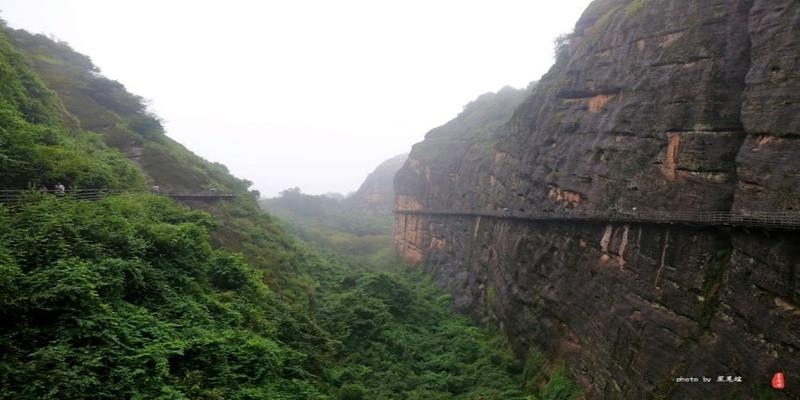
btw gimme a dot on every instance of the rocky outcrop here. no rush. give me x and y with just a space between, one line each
652 105
376 195
449 167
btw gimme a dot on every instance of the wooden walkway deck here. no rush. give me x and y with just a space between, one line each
11 196
200 196
783 220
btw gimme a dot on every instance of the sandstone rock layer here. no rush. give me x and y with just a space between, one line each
665 105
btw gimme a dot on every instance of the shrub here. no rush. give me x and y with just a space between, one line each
228 272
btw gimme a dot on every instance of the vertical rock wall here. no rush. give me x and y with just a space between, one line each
652 104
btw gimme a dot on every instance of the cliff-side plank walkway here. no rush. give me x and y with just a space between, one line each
784 220
17 195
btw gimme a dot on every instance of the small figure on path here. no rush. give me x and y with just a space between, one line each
155 189
60 189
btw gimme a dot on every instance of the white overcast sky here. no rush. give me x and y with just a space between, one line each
306 93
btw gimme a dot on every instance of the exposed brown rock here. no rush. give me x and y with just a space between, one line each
653 105
376 195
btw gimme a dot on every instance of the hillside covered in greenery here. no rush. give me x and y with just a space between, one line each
105 107
137 296
334 223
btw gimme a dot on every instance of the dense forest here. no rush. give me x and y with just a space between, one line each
138 296
333 223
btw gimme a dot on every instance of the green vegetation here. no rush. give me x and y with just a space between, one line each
126 298
333 223
37 148
555 122
393 326
561 47
488 148
399 340
104 106
634 7
135 296
712 281
560 387
603 22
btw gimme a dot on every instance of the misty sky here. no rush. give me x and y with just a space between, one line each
304 93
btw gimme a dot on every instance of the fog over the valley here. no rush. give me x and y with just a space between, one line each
305 93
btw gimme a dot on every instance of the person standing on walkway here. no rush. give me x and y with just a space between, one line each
60 189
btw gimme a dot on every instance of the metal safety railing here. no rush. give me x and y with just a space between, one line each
760 219
199 196
15 196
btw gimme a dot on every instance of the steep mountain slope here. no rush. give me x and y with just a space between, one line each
450 166
669 105
332 223
136 296
358 225
125 297
97 104
376 194
104 106
473 135
39 141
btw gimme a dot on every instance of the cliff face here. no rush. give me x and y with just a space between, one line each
376 194
656 105
449 167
